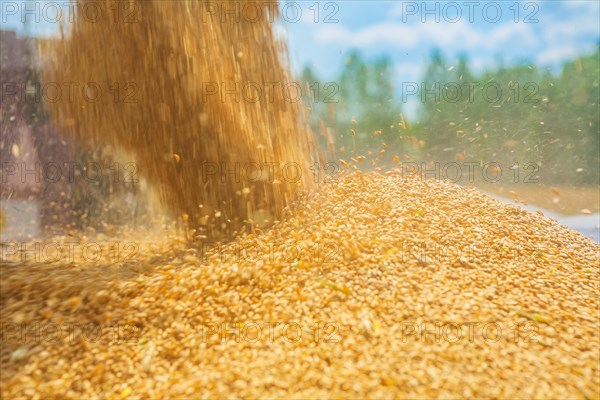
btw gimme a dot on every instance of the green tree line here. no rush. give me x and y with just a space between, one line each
518 115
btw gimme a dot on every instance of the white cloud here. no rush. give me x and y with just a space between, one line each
510 32
569 29
587 6
565 37
557 54
447 35
377 34
461 36
565 30
409 72
400 35
478 64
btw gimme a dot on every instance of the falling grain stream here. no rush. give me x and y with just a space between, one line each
374 285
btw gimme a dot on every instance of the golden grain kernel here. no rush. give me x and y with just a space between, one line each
366 290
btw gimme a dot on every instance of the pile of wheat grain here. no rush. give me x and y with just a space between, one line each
377 287
152 77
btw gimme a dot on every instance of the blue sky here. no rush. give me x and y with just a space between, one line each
541 32
563 30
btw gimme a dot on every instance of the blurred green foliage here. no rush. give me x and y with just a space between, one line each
508 115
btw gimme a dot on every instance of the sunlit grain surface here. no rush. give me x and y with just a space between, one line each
347 272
